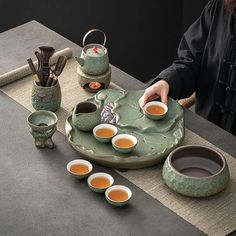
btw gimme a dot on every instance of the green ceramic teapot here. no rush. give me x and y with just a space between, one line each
86 115
94 57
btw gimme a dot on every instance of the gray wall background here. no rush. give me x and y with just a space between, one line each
143 36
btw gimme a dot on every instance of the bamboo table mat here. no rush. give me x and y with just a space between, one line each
214 215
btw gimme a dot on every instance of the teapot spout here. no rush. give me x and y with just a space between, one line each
80 60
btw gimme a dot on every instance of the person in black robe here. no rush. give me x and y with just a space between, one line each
206 64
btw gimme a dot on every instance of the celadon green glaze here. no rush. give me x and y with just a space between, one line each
84 79
91 62
118 204
193 186
156 139
46 98
42 126
87 121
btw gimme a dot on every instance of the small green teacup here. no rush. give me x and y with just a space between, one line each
99 182
155 110
118 195
104 132
79 168
124 143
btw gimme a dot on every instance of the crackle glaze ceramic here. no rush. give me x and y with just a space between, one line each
86 115
84 79
42 126
120 149
46 98
156 139
105 139
155 116
196 171
94 57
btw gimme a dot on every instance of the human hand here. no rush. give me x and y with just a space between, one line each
159 89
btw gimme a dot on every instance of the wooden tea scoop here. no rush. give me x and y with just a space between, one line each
61 62
34 72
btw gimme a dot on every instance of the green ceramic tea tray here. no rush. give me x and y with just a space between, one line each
156 139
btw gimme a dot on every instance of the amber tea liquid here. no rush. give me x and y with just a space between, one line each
105 132
100 182
155 110
118 195
79 169
124 143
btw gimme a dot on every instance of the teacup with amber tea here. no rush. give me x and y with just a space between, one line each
79 168
104 132
124 143
118 195
155 110
99 182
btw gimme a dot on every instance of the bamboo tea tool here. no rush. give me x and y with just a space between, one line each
34 72
59 68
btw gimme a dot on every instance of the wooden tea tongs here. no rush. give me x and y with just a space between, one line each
36 76
61 62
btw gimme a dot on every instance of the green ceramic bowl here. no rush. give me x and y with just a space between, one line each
153 115
118 195
196 171
42 120
98 176
106 137
79 162
124 149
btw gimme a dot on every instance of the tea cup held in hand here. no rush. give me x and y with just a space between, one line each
99 182
124 143
118 195
104 132
155 110
79 168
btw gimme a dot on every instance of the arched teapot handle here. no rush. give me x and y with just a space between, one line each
94 30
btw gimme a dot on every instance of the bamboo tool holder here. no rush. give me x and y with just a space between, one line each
25 70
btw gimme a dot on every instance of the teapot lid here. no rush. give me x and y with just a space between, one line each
95 50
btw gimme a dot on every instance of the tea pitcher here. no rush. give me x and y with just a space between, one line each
86 115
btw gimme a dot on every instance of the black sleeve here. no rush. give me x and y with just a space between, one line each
183 73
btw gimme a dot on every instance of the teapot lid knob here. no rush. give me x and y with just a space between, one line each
101 96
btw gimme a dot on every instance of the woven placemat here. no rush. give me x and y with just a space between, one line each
214 215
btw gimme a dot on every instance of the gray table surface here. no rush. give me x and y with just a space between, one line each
38 197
